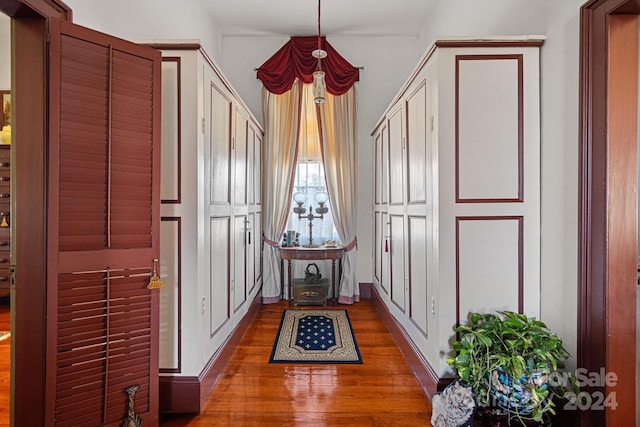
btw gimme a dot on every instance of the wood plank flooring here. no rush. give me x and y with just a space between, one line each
380 392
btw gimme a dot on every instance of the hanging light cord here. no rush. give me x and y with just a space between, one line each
319 38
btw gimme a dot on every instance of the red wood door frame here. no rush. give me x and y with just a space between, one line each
608 204
29 53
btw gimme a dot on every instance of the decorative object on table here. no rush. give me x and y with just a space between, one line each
315 336
508 358
4 335
290 239
312 276
300 198
454 407
330 244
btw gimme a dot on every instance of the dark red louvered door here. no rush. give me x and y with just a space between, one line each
102 332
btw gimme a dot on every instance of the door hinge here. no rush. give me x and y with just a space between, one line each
431 123
203 125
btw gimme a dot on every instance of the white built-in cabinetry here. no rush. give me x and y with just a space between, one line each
457 190
211 224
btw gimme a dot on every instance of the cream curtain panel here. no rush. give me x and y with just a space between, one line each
282 121
339 148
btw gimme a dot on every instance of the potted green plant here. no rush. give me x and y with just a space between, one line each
508 359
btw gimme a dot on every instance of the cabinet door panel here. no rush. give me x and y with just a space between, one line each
379 241
416 145
219 228
241 150
239 280
385 275
219 146
396 247
418 272
396 169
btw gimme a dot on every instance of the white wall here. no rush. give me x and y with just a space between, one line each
148 20
559 22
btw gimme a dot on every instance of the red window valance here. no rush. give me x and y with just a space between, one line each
294 59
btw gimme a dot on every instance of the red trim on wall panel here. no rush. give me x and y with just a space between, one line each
520 220
490 43
520 196
174 46
178 159
178 221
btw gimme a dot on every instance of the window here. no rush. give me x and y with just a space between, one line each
309 178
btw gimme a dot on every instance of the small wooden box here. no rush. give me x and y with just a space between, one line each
310 293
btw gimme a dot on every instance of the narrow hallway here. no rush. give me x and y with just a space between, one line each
380 392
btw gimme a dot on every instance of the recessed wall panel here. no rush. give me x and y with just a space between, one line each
170 266
418 272
257 169
256 241
489 264
378 238
241 150
489 134
396 246
384 165
219 274
385 274
377 146
239 283
170 152
417 145
219 147
396 152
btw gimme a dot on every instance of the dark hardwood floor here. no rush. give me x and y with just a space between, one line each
380 392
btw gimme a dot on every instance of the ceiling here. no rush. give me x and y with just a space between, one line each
300 17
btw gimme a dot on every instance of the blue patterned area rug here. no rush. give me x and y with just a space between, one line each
315 336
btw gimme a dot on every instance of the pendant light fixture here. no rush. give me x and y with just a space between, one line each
319 86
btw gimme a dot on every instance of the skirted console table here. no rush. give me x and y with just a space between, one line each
310 254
